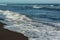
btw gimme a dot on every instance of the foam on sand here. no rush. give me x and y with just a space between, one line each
34 30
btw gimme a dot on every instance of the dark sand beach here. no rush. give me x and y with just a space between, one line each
10 35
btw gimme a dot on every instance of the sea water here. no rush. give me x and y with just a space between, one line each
37 22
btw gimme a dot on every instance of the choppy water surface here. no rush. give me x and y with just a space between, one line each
35 22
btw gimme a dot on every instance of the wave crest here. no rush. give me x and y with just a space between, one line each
13 16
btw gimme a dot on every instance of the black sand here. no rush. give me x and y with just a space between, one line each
10 35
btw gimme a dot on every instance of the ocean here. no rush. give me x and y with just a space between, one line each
36 21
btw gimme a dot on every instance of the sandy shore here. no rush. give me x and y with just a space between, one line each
10 35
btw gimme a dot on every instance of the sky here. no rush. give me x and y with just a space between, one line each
29 1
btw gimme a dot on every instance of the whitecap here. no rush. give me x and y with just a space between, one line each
33 30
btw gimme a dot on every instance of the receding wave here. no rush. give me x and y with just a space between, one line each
30 28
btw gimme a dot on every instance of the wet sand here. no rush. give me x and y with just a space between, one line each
10 35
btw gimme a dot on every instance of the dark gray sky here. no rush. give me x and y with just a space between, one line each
29 1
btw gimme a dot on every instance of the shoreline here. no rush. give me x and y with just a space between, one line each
10 35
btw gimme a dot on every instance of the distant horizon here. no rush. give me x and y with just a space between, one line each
29 3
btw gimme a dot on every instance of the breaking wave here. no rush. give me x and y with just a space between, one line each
30 28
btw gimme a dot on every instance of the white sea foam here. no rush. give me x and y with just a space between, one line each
36 6
34 30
